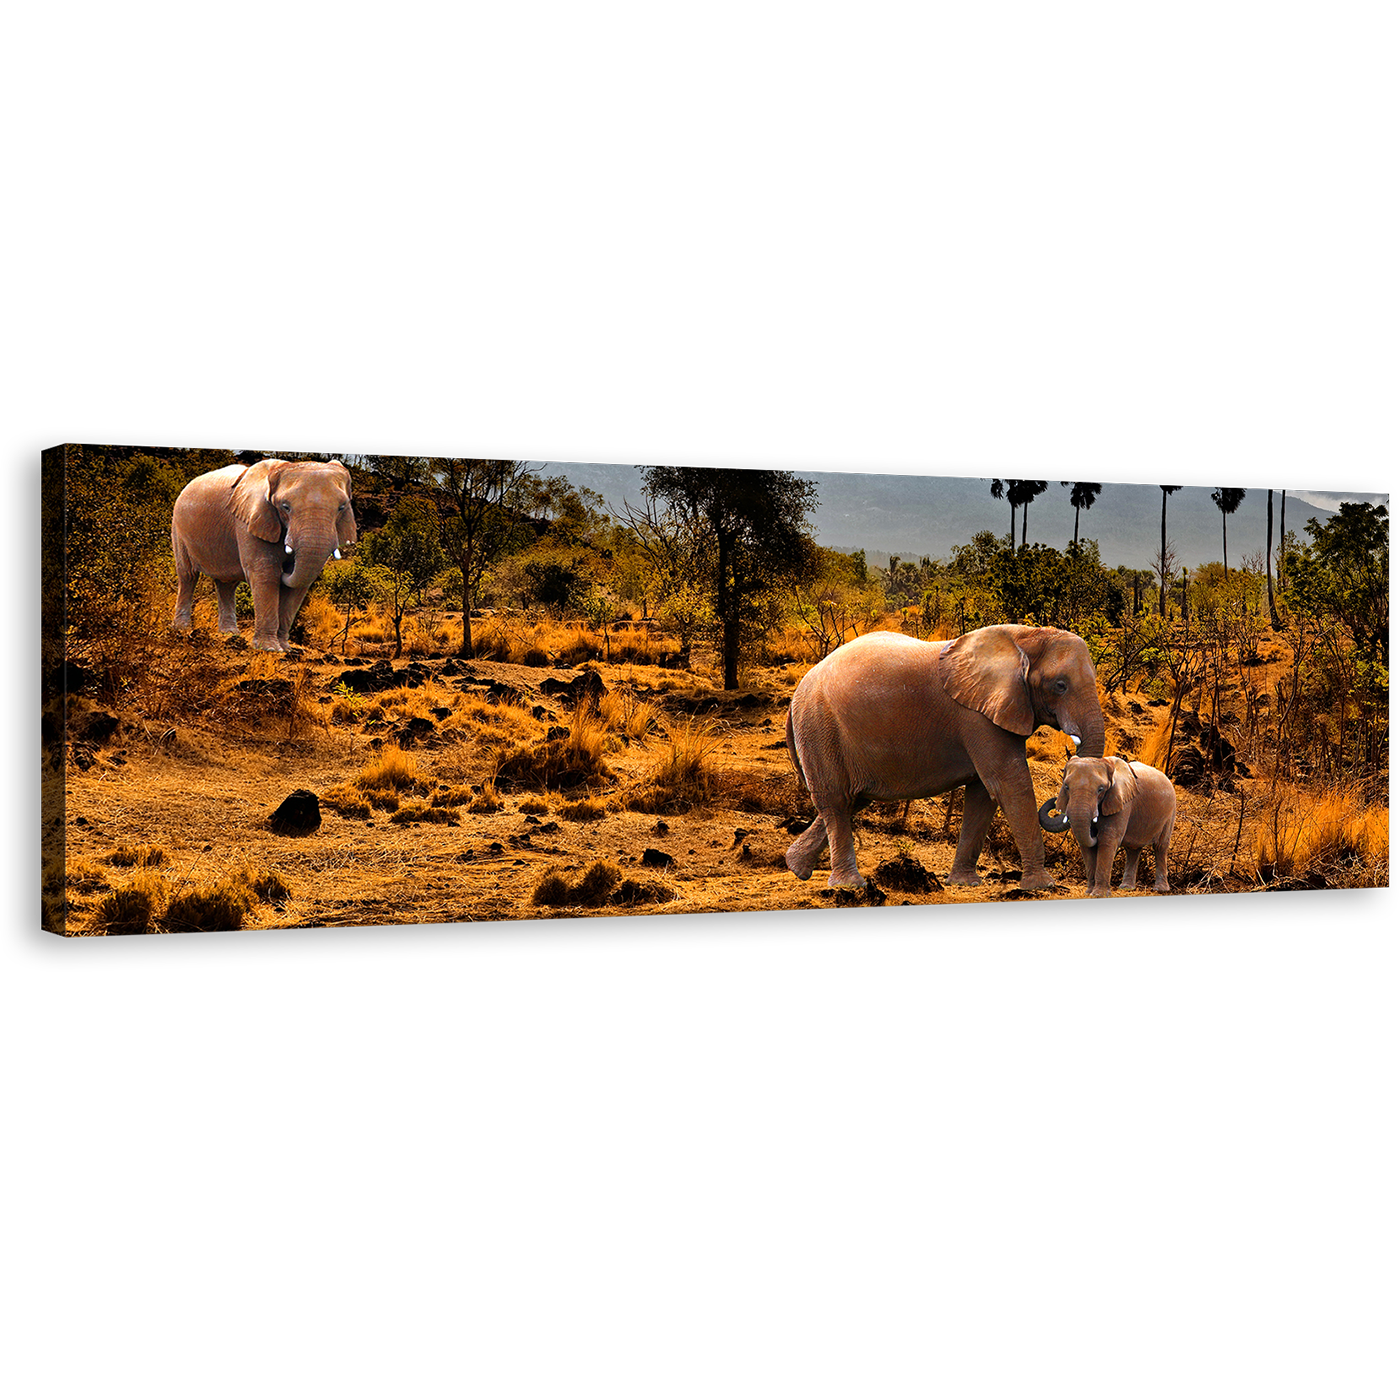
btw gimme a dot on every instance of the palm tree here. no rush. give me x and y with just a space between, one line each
1162 596
1227 499
1082 497
1011 490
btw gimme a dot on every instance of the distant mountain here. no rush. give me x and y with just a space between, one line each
916 515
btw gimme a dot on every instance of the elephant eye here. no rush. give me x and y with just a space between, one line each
1061 686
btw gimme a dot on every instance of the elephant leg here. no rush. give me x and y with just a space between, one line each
1130 867
288 607
978 811
266 615
1090 857
1016 797
841 837
186 578
1159 859
803 854
228 613
1106 849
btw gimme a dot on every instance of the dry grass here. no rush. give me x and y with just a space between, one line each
570 761
534 806
346 800
145 856
133 907
395 770
487 801
425 812
146 903
588 810
683 778
1153 751
454 795
601 883
627 714
1330 834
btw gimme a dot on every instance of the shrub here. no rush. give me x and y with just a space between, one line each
592 888
268 885
424 812
553 889
588 810
137 855
574 759
347 801
683 778
453 796
487 801
133 907
534 806
222 905
394 770
1330 834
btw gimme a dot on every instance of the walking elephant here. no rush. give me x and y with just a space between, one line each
890 718
274 524
1110 802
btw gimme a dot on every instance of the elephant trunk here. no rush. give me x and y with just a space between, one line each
308 547
1085 727
1086 827
1091 736
1057 823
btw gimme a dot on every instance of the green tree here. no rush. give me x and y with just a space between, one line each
555 580
352 586
837 598
407 550
488 501
755 522
1344 575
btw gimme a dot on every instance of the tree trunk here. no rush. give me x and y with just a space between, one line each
1269 564
1025 512
1076 529
1224 546
729 639
1282 531
466 648
1162 594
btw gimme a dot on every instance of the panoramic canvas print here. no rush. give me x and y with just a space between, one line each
290 689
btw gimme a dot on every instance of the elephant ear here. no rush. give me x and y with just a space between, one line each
346 532
1122 790
986 671
252 499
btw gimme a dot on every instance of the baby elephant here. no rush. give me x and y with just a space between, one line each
1109 802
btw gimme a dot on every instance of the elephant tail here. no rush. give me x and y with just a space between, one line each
792 752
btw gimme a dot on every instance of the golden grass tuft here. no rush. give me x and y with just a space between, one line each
454 795
683 778
347 801
1153 750
487 801
146 856
588 810
1330 834
601 884
574 759
394 770
224 904
534 806
592 888
626 713
133 907
426 812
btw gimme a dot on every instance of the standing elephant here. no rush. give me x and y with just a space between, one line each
275 524
1110 802
888 718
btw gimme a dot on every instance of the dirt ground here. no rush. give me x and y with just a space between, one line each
201 790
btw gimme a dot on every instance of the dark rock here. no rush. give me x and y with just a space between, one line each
417 728
96 727
661 828
586 688
299 814
657 860
537 712
440 711
907 875
366 681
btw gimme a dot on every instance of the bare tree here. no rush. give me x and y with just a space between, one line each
1268 563
1166 563
1162 596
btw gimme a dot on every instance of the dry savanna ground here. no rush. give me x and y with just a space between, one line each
457 790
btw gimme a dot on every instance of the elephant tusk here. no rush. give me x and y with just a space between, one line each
335 554
290 550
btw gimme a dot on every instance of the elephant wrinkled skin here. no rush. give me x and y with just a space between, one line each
889 718
275 524
1110 802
